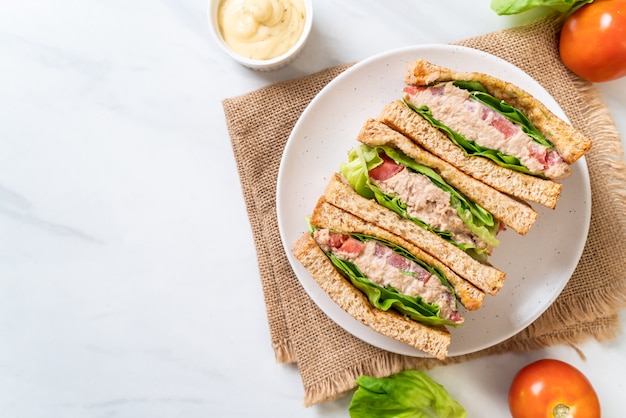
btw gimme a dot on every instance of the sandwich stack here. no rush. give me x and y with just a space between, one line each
402 235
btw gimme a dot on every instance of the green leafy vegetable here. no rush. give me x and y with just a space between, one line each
478 93
511 7
385 298
408 394
364 158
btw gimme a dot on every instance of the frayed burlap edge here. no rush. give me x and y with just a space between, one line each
284 351
610 150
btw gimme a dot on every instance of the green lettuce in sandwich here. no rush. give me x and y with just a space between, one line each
391 277
418 193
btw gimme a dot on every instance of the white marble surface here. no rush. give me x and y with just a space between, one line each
128 278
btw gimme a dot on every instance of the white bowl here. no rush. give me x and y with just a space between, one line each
261 64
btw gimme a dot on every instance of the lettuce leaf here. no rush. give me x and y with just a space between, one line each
385 298
511 7
479 93
364 158
408 394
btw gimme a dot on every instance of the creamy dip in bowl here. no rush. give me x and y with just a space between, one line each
261 34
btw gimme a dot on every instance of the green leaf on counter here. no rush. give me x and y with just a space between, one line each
511 7
408 394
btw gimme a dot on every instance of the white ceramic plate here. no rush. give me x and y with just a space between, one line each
538 265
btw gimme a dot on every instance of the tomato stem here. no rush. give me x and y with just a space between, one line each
560 411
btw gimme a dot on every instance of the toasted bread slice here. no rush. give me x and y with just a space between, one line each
325 215
432 340
401 118
570 143
484 276
514 213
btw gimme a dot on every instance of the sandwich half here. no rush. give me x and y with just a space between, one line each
502 134
434 340
482 275
507 107
403 119
382 280
327 216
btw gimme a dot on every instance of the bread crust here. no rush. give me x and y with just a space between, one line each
570 143
514 213
326 215
401 118
432 340
484 276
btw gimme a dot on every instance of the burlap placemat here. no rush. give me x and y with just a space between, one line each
328 358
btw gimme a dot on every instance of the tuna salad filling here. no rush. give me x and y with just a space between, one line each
383 266
408 188
424 200
455 108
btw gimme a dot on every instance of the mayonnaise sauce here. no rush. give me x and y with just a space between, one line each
261 29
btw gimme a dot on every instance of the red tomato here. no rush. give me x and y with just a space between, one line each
552 389
593 40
